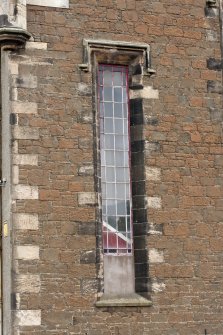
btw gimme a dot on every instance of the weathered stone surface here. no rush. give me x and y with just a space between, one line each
27 283
158 286
24 107
88 257
25 221
25 192
25 159
176 168
24 81
25 133
156 256
36 45
26 252
153 173
28 317
145 93
154 202
87 199
86 170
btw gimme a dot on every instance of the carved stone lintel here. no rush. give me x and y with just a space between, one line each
115 46
12 37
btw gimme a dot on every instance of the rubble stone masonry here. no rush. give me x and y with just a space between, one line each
57 264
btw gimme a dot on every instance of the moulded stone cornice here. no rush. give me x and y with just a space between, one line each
90 44
11 37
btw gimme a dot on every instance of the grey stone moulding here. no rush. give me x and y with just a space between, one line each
117 301
90 44
12 37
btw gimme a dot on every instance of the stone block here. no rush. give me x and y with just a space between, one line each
86 228
156 256
214 87
155 229
26 252
219 160
84 89
140 255
20 107
154 202
153 173
25 133
140 229
152 147
64 318
25 159
14 68
25 221
211 35
86 170
36 45
88 257
152 121
141 270
146 93
143 284
158 286
216 114
140 242
15 175
28 317
24 81
87 199
25 192
27 283
89 286
214 64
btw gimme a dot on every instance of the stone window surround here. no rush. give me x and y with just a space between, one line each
90 45
137 57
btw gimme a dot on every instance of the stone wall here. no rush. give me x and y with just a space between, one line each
57 277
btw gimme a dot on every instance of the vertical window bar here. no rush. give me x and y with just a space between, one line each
115 159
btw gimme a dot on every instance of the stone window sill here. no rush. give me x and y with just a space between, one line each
132 300
52 3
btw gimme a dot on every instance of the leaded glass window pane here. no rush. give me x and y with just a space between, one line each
115 159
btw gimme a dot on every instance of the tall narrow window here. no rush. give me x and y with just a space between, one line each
115 159
120 174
